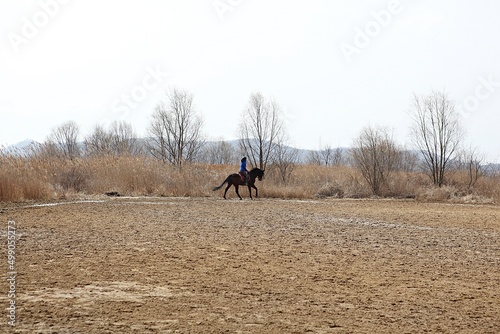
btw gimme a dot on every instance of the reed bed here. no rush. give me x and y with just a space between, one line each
41 178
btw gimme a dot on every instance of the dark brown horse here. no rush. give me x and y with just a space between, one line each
236 181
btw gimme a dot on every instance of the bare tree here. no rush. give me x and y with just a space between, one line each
220 152
376 155
326 155
157 143
63 140
313 158
408 161
123 139
331 156
119 139
175 129
260 127
338 156
98 142
472 162
285 159
436 132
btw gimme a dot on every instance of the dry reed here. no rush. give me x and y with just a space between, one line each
44 178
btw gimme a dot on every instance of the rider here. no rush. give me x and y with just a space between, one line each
243 170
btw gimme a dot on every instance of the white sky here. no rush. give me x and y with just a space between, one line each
84 56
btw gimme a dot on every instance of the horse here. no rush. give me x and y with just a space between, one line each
236 181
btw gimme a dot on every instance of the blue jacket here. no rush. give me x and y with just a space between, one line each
243 167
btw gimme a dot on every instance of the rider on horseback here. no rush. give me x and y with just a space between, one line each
243 170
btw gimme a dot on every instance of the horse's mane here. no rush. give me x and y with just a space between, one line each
256 171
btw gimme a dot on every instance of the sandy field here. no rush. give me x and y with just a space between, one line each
208 265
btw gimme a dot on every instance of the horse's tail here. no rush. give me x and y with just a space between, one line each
222 184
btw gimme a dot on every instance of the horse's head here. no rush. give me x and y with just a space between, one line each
257 173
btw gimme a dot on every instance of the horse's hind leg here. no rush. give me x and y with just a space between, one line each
227 188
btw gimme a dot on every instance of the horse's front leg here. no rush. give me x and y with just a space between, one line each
237 192
256 190
250 191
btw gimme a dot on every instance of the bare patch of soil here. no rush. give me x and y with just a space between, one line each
207 265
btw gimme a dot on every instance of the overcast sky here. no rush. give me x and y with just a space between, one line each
333 66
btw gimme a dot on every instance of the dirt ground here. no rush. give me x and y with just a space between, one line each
208 265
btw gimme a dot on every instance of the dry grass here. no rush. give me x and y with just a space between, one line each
22 179
459 190
310 181
45 178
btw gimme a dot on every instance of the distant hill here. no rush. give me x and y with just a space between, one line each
303 155
20 147
492 168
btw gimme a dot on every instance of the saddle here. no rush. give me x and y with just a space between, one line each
244 177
